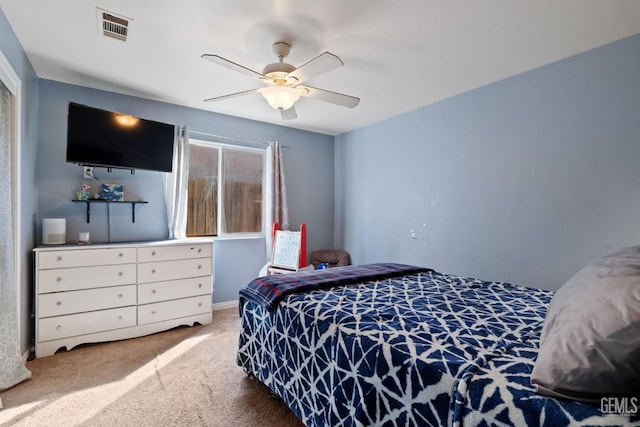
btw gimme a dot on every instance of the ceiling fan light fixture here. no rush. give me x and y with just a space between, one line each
280 97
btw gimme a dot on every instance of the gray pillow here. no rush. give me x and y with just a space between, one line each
590 342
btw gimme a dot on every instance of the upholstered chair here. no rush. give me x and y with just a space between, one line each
334 257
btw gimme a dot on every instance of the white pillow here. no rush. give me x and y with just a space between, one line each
590 342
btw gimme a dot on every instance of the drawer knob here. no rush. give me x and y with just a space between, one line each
119 273
199 267
120 317
199 285
59 258
199 250
59 303
153 271
58 327
58 279
120 254
153 253
153 312
153 291
119 295
199 304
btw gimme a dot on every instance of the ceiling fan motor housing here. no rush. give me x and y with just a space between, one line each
278 72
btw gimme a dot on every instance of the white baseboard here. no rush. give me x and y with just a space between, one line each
225 304
25 356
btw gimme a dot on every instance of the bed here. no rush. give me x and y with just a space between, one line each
400 345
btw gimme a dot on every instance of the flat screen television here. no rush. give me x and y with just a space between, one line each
108 139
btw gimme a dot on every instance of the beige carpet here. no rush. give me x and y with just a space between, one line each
182 377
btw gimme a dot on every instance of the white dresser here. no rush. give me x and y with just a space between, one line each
106 292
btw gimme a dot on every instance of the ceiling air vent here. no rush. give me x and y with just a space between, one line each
112 25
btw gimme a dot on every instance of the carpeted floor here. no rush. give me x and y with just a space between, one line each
182 377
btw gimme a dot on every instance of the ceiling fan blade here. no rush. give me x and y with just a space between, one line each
328 96
321 64
232 65
231 95
289 114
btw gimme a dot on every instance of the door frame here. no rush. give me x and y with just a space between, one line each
10 79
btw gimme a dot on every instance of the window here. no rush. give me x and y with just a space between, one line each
234 206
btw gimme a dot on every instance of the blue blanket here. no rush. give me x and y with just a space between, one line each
420 349
268 291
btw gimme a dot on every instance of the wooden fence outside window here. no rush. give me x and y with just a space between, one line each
242 204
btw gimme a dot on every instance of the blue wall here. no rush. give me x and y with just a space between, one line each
308 165
524 180
12 50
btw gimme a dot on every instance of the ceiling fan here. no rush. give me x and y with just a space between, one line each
284 81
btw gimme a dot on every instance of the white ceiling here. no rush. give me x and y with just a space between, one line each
399 54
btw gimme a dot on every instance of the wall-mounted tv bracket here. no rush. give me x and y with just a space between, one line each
109 169
133 171
133 204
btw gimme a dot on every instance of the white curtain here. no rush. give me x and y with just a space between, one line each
12 370
177 183
277 209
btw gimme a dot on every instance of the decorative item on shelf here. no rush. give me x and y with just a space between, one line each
112 192
83 194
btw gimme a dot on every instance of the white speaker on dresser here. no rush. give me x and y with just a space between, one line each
54 231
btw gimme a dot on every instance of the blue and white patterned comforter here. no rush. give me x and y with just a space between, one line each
418 349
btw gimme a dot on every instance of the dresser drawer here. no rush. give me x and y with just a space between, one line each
53 328
60 303
174 309
85 277
85 257
174 289
173 252
171 270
